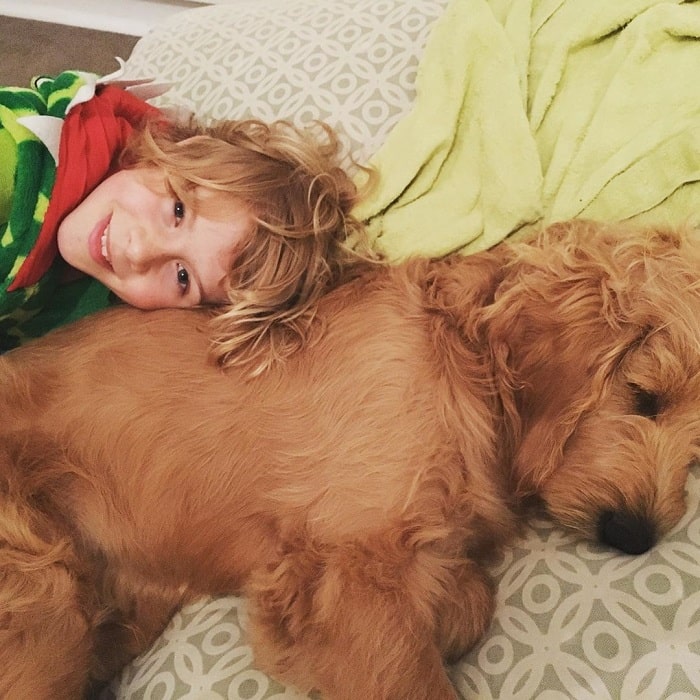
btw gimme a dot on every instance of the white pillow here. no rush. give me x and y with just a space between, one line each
350 63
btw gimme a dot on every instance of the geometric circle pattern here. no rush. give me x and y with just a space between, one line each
351 64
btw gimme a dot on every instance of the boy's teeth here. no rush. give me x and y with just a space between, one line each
105 235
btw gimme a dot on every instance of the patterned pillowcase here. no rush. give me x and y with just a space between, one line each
350 63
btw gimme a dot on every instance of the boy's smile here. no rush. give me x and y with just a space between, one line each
98 243
152 251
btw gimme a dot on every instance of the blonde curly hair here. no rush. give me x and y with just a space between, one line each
305 240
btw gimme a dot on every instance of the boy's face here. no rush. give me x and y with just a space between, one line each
149 248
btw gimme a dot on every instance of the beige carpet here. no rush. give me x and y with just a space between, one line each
39 48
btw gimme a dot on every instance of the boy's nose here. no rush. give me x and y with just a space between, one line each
144 248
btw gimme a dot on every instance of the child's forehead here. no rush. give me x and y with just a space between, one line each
218 205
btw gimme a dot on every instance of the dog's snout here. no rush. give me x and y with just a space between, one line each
628 532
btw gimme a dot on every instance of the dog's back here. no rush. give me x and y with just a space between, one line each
334 441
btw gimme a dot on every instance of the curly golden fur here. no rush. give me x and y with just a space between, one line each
357 492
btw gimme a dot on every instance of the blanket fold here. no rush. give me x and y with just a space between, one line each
533 111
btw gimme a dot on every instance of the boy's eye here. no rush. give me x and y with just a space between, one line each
179 210
183 278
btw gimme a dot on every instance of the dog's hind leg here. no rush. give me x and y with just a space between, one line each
353 622
46 603
45 640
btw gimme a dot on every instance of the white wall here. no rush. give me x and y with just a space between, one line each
134 17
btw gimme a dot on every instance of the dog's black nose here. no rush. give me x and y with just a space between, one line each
628 532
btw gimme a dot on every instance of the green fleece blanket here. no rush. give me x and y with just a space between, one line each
533 111
27 175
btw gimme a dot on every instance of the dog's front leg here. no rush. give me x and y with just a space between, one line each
357 620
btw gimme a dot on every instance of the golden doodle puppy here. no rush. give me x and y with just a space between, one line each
356 492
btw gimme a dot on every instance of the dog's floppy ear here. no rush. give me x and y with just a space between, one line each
558 328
